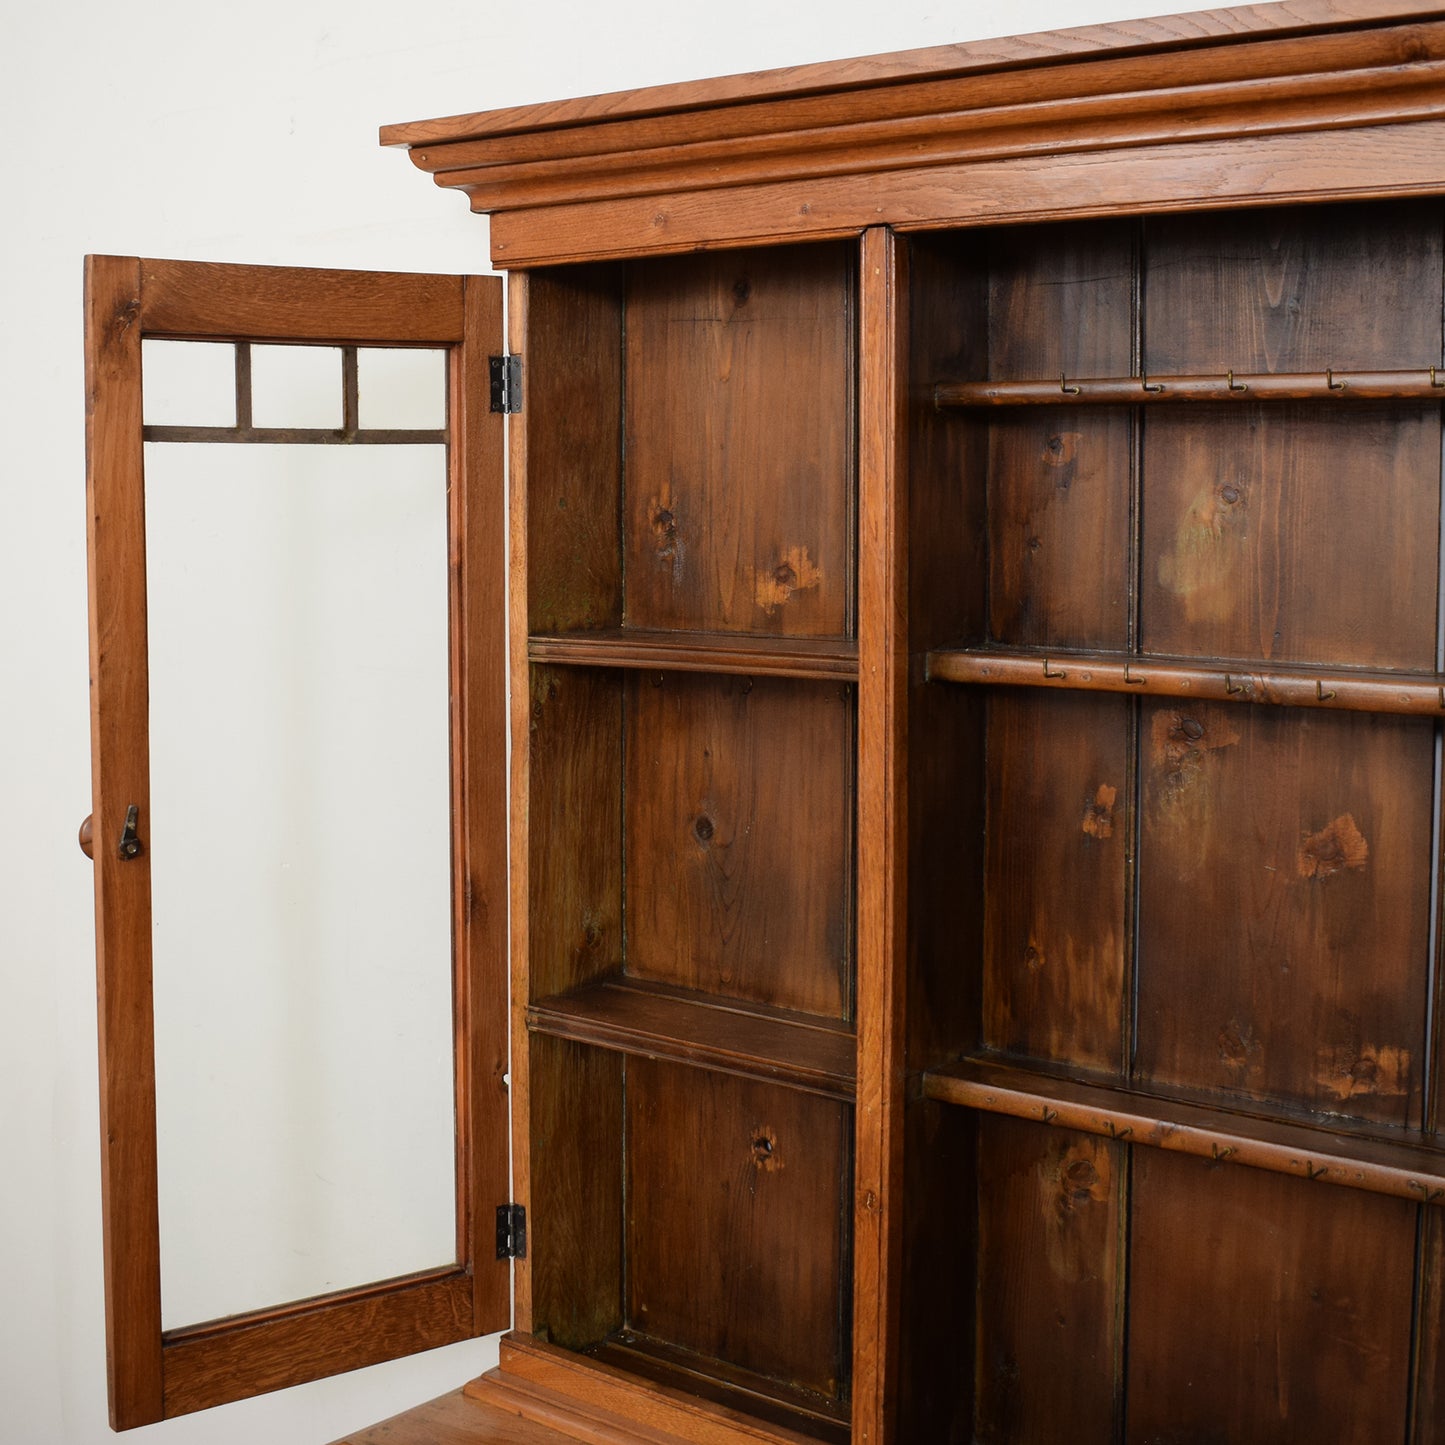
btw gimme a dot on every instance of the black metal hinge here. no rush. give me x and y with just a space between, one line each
506 383
511 1231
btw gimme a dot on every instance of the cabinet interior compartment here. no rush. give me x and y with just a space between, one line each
1175 793
689 444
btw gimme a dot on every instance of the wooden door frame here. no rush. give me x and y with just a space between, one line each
155 1374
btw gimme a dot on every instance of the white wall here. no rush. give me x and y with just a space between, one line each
237 133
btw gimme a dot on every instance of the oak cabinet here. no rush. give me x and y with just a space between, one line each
976 690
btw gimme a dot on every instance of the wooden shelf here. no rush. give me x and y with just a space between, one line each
1370 1162
1425 383
724 652
634 1016
1335 688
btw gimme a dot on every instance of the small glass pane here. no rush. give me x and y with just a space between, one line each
188 383
296 386
404 390
300 855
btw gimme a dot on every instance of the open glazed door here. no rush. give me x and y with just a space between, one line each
300 878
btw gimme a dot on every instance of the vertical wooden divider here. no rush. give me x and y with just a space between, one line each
882 828
120 765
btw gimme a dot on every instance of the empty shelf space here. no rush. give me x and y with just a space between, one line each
633 1016
1426 383
724 652
1369 1162
1337 688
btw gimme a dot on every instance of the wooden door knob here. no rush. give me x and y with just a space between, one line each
87 836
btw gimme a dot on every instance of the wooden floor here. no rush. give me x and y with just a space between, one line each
454 1419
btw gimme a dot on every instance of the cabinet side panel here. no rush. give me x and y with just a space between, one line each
574 827
575 1219
739 802
1264 1307
737 1195
1051 1205
1059 797
740 442
1061 304
572 412
1284 909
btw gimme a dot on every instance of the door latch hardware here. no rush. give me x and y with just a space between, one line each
129 845
511 1231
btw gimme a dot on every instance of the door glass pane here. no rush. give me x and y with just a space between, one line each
300 854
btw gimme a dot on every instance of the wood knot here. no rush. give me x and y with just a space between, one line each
1338 846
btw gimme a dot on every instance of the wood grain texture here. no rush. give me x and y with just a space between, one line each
574 828
1181 31
477 593
1284 875
1060 796
1061 301
1052 1206
120 778
1168 174
588 1395
456 1419
773 1045
724 1168
1328 688
198 299
739 442
1322 1350
715 652
1377 1160
739 831
574 1191
250 1355
882 830
570 342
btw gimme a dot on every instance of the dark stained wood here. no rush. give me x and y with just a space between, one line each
766 1399
1060 796
882 831
1295 289
725 1169
1061 300
739 835
1297 1325
739 443
1332 689
574 1191
1427 1418
1332 384
1050 1292
574 818
237 1358
1165 174
1285 876
715 652
1293 536
946 321
660 1022
197 299
120 779
1378 1161
570 339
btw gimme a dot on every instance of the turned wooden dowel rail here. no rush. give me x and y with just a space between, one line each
1425 383
1411 694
